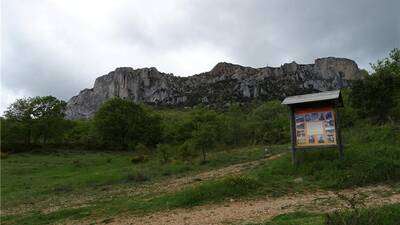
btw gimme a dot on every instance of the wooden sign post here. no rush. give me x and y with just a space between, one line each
314 121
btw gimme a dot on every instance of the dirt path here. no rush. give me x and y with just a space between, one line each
236 212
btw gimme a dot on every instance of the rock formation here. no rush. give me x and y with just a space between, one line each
225 83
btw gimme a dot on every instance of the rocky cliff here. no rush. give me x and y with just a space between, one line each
223 84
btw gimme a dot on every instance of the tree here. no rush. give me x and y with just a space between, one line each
233 121
20 115
205 126
152 134
81 133
38 117
204 138
377 97
48 113
164 152
270 123
120 122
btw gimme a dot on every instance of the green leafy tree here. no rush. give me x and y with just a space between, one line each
269 123
152 133
48 113
164 152
39 117
120 122
205 126
186 151
19 115
377 97
348 115
81 133
233 125
204 139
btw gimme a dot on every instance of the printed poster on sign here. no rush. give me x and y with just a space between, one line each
315 127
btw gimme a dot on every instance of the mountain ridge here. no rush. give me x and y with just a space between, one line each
224 83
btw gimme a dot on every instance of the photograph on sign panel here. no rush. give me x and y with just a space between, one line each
315 127
299 118
300 126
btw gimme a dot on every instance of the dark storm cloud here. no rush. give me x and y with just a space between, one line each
60 47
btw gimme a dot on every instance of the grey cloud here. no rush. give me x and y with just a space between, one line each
269 32
60 47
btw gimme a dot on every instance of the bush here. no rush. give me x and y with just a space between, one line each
164 152
186 151
141 149
138 159
137 177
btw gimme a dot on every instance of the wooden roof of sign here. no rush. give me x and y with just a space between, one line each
334 96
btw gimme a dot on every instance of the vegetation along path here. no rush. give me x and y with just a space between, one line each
173 185
244 211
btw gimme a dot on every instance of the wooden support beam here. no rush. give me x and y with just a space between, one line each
293 135
338 133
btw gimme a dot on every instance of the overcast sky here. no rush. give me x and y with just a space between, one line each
59 47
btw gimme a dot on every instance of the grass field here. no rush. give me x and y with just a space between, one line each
31 181
43 188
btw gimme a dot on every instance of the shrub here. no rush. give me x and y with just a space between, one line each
164 152
138 159
141 149
186 151
137 177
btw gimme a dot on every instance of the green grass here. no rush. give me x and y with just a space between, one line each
297 218
384 215
29 178
364 164
38 218
321 170
371 157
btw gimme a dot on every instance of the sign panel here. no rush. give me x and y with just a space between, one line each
315 126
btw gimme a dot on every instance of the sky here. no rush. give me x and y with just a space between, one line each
59 47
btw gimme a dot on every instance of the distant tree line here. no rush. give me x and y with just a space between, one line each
123 125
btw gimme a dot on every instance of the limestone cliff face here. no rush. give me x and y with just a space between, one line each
223 84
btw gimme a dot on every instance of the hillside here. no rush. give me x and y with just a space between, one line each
225 83
236 186
138 164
